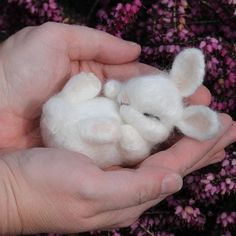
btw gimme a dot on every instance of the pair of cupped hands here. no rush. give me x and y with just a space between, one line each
52 190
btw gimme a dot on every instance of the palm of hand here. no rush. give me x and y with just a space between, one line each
30 77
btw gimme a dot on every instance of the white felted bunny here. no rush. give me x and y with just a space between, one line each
121 127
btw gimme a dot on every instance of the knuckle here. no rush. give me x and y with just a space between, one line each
87 191
49 24
27 29
144 195
51 28
221 157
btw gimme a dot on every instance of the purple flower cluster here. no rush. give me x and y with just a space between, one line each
227 219
165 27
45 9
211 187
190 215
221 72
166 30
116 21
16 14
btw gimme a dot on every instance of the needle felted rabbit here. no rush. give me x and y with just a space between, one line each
121 126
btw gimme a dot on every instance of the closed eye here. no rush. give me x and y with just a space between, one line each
151 116
125 104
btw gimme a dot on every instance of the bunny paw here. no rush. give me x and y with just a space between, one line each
83 86
132 143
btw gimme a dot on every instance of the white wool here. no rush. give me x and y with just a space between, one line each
199 122
112 88
188 71
121 127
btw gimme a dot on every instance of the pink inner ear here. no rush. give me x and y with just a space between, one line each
183 85
188 71
200 121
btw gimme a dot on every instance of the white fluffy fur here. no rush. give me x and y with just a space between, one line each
199 122
121 127
188 71
111 89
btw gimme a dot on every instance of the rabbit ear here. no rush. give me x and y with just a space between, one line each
199 122
188 71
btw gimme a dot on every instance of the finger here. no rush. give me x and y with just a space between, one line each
130 215
183 155
228 138
217 153
208 160
202 96
90 44
126 188
125 217
127 71
190 151
32 139
187 152
121 218
220 156
118 72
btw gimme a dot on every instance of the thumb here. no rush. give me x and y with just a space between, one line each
127 187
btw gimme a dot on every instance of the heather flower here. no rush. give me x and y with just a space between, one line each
16 14
221 71
190 214
227 219
120 17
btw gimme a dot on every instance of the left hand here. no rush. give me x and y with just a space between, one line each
36 62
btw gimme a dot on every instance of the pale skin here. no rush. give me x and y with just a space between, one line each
52 190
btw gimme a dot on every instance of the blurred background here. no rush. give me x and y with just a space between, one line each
207 203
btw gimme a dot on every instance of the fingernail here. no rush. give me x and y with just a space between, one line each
171 183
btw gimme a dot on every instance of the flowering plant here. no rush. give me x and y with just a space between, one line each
207 203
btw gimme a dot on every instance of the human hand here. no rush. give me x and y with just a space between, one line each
52 190
36 62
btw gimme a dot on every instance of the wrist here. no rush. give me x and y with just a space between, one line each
10 221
